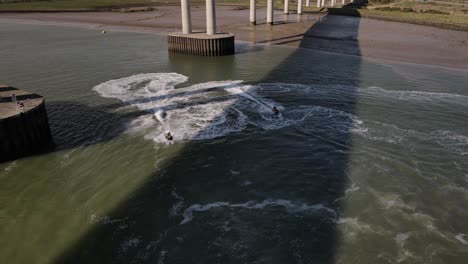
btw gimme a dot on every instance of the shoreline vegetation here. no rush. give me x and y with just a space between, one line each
446 14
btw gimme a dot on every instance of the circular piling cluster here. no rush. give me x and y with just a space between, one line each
24 126
202 44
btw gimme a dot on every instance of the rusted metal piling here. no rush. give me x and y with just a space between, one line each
24 126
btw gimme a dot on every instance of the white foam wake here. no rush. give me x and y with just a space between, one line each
10 167
214 109
288 205
415 95
201 111
337 92
461 238
403 253
197 112
390 133
248 92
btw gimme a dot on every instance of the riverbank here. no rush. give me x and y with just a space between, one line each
373 38
444 21
447 15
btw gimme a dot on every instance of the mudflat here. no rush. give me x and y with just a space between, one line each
349 35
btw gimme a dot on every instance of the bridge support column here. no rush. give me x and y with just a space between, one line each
186 16
270 12
210 17
253 13
201 44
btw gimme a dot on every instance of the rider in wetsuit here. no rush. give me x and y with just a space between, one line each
275 110
169 136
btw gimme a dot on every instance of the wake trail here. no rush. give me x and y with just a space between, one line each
247 95
203 111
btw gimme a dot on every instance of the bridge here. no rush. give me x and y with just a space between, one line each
214 43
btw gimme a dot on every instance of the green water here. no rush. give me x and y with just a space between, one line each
367 162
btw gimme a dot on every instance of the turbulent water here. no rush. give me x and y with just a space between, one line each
366 162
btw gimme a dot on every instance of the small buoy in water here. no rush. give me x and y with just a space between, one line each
169 136
103 32
275 110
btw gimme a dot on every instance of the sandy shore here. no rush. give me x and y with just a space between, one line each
350 35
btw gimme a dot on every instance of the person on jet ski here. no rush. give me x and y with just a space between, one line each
275 110
169 136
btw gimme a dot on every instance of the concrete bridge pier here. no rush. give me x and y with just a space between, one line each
210 17
253 12
286 7
270 12
210 43
186 16
24 125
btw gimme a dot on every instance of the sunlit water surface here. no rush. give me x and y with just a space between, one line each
367 162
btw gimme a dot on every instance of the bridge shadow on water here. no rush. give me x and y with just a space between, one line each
282 208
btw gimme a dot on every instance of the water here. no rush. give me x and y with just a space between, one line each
366 162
